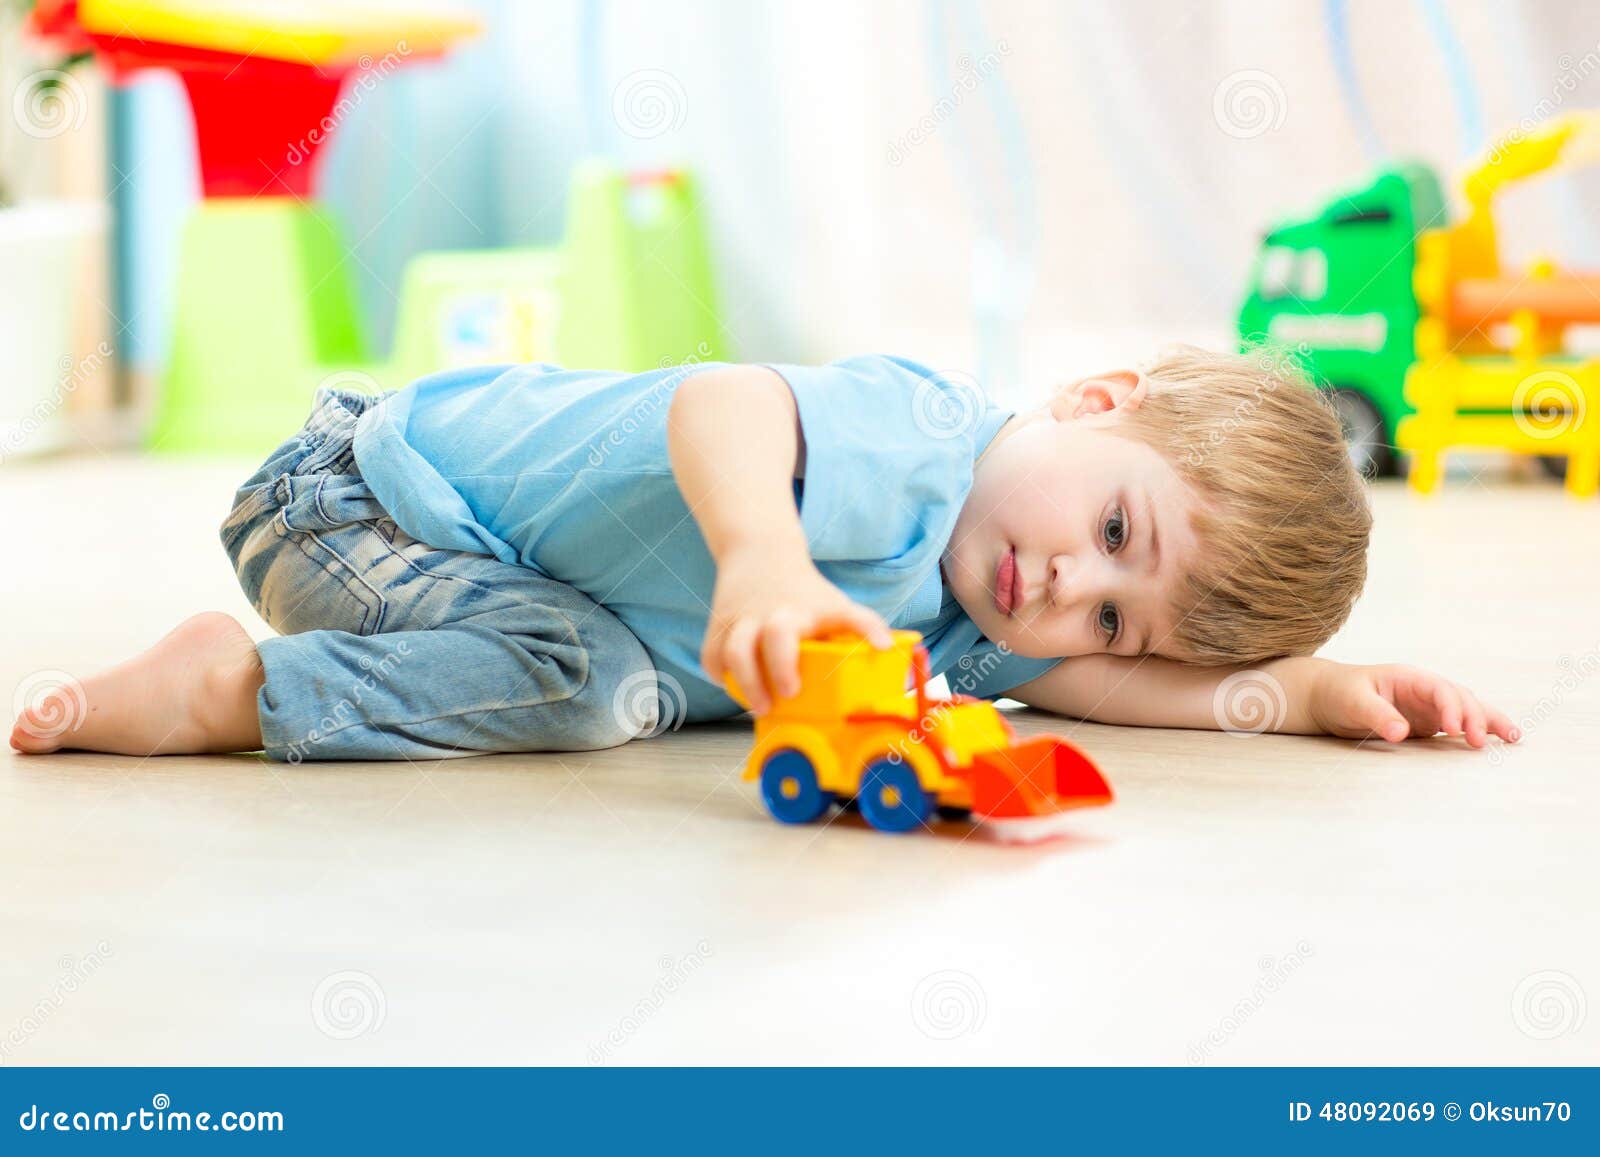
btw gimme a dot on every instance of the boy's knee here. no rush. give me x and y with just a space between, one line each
621 697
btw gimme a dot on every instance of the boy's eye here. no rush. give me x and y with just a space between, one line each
1116 530
1109 621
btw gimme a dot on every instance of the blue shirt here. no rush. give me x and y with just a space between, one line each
567 472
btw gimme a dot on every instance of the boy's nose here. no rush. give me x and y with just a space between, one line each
1058 579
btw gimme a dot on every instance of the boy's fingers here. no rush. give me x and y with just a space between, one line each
871 625
780 649
711 657
1473 721
1448 702
1500 724
739 653
1384 719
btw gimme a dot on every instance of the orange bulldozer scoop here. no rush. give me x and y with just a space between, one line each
1039 776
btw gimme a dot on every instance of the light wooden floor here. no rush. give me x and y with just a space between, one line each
1245 901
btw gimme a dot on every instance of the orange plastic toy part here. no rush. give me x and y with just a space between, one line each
1573 299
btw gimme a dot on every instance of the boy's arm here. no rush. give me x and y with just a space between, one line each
1303 696
733 434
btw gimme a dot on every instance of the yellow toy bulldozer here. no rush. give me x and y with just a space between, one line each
864 729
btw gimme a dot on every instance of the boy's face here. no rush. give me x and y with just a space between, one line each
1074 540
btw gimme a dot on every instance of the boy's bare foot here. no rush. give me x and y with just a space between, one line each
193 691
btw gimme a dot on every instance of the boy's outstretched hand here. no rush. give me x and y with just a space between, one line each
760 611
1393 701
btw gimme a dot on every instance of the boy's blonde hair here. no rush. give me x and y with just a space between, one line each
1281 513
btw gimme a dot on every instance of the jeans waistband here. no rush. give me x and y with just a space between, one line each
328 435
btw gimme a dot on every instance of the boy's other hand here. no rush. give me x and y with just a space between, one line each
1393 701
762 607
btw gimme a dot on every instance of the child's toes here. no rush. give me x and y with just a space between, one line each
34 733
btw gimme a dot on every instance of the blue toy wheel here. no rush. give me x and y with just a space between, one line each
789 787
892 800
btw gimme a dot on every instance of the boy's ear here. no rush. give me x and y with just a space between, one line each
1099 394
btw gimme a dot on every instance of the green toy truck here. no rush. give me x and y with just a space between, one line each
1336 290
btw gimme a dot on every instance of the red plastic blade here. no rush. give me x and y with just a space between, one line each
1035 777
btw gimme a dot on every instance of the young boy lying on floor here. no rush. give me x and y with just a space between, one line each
495 559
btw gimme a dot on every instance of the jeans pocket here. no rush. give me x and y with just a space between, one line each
312 580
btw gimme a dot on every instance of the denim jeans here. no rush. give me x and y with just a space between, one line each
390 649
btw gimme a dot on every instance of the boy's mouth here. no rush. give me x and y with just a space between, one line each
1007 583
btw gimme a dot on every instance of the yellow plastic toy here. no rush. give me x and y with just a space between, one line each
863 728
1492 370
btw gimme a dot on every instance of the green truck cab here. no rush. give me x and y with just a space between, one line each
1334 290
